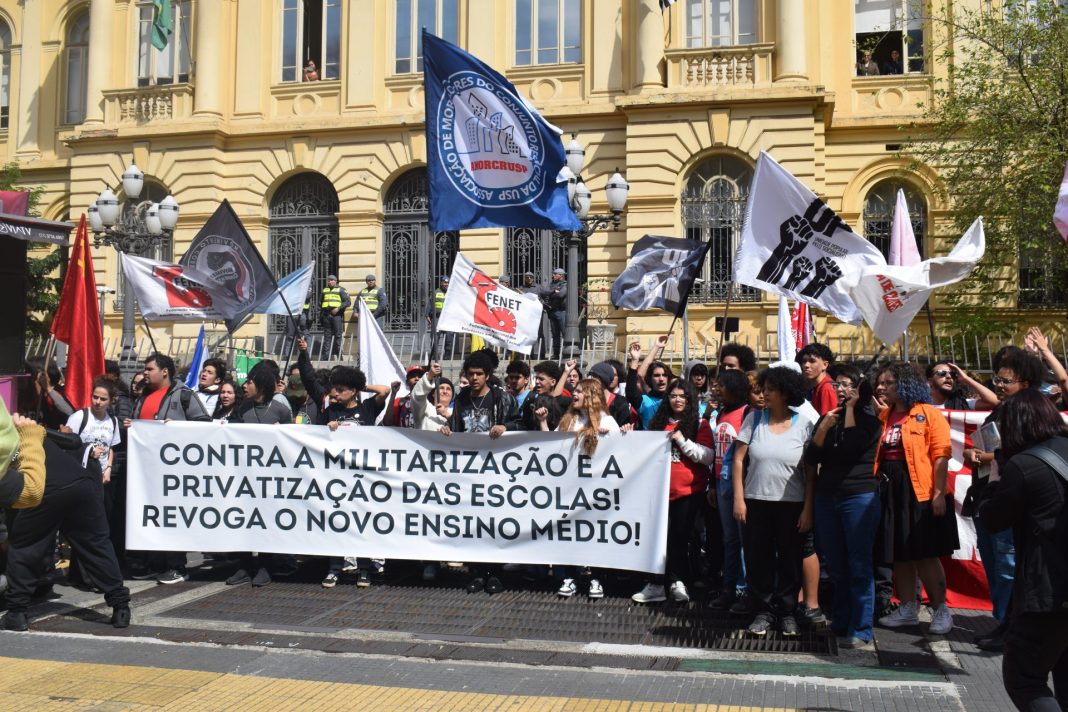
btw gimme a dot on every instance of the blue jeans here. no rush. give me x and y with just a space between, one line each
845 533
733 563
999 561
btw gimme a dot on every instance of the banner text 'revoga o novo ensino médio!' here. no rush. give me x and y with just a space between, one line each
404 494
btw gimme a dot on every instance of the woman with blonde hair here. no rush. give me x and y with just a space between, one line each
588 418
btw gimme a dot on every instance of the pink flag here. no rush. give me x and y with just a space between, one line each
1060 212
903 252
801 325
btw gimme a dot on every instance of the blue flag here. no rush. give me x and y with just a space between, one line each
492 160
200 355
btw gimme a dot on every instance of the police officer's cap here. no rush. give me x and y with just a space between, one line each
330 277
370 278
444 280
529 274
559 270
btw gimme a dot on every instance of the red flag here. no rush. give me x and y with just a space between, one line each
77 323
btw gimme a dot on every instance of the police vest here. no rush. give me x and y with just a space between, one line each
439 300
332 298
370 298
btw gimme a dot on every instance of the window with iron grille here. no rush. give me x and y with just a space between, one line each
713 210
533 250
1042 280
303 228
414 258
879 214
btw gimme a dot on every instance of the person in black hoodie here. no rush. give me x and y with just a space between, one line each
1031 498
483 408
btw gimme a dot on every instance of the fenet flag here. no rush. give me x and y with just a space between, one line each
660 274
224 254
77 322
173 292
890 296
377 358
1060 212
794 245
492 160
477 304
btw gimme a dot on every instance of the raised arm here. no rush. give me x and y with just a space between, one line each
1037 341
569 366
654 353
984 395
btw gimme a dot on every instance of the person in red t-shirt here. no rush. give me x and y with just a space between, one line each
692 452
814 360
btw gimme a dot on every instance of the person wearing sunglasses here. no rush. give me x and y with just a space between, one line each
949 388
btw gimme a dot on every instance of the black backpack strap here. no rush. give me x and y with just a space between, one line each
85 420
1049 456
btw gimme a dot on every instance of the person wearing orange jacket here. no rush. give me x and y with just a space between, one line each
919 524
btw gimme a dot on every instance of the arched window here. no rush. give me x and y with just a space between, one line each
721 23
879 214
713 209
77 70
414 258
5 73
159 249
303 228
440 17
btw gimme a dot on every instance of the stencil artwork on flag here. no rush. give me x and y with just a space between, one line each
793 244
522 498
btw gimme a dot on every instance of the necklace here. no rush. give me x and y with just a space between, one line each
481 404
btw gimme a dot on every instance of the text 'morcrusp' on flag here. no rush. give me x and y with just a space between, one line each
477 304
794 245
77 322
660 274
492 160
172 292
224 254
890 296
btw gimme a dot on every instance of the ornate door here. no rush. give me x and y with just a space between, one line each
303 228
414 258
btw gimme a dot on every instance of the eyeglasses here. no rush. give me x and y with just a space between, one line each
999 381
942 374
843 386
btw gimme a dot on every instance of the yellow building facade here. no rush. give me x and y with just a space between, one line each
681 101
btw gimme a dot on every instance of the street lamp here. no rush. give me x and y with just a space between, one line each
581 199
131 227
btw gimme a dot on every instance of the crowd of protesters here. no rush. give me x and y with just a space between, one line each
779 477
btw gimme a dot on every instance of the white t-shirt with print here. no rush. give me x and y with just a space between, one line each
96 432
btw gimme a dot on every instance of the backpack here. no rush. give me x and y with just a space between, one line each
85 421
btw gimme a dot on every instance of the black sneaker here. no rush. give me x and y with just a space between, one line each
723 600
141 574
173 576
120 617
744 606
239 577
493 585
761 624
476 585
812 616
788 626
363 580
262 578
16 620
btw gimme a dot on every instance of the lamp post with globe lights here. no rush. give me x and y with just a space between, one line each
581 199
131 227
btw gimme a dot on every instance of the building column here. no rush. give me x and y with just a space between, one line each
26 123
791 40
650 43
208 61
99 60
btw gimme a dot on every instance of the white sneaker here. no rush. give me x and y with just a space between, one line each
941 621
906 614
349 566
596 590
652 593
567 588
679 592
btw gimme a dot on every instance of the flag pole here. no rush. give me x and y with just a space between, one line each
723 326
149 331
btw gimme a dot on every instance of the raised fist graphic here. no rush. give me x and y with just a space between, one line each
827 273
799 270
794 235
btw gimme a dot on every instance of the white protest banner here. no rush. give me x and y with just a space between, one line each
377 358
527 498
172 292
795 246
889 297
477 304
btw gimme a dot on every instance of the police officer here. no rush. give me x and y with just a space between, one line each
433 313
335 302
375 299
555 297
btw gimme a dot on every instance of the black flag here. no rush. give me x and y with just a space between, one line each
660 274
223 252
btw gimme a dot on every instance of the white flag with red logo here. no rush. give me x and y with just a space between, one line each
170 292
890 296
477 304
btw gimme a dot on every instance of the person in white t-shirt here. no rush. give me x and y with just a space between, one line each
97 428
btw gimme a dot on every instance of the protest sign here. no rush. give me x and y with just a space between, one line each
527 498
